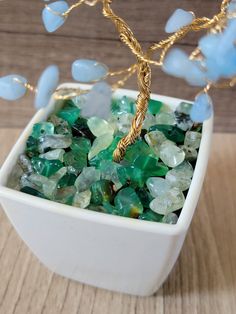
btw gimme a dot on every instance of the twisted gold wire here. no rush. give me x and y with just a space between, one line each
70 93
144 72
28 86
129 69
144 61
144 80
198 24
77 4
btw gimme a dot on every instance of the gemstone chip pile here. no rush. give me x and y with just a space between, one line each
69 159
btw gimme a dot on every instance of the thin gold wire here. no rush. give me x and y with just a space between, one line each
196 54
71 8
121 82
124 71
70 93
92 2
205 89
76 5
55 12
28 86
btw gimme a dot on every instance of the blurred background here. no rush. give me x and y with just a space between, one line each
26 49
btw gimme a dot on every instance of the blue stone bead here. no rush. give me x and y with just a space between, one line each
225 56
232 7
212 70
220 53
221 65
51 20
100 108
202 108
47 84
228 37
177 63
208 44
85 71
11 88
227 62
178 19
195 76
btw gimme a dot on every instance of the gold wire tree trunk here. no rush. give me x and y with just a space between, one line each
144 80
144 61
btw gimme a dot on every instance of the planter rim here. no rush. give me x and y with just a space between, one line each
102 218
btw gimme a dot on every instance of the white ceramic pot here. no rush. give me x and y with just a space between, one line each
111 252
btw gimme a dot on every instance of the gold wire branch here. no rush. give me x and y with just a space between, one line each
144 60
198 24
121 82
28 86
144 80
77 4
207 88
55 12
124 71
72 7
68 93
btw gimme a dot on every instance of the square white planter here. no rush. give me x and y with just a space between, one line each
111 252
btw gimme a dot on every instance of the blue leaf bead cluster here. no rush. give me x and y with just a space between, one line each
217 58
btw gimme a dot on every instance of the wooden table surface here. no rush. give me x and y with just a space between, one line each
203 280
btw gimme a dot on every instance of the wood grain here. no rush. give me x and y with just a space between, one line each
29 54
27 49
203 280
146 18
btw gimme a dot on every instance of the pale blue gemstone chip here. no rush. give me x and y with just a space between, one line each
220 53
85 70
100 108
208 44
232 7
202 108
178 19
47 84
228 36
177 63
52 15
12 87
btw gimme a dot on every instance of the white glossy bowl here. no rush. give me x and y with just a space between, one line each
111 252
